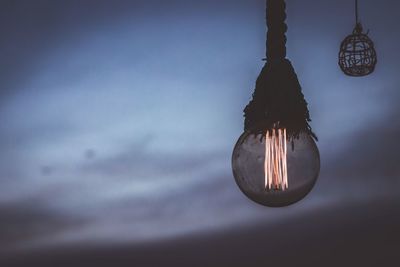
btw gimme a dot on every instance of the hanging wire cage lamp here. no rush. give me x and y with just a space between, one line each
275 161
357 55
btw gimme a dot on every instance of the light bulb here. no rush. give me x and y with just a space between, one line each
275 160
274 170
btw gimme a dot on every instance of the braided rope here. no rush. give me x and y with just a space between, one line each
276 39
278 101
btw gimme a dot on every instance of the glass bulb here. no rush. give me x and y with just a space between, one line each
274 171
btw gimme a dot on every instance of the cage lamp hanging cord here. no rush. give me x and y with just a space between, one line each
356 10
358 28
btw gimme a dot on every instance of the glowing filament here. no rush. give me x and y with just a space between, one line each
275 164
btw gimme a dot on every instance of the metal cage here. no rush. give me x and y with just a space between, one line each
357 56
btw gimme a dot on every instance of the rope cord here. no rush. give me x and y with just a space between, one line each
276 38
278 102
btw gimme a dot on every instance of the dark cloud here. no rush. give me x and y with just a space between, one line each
199 197
46 170
371 153
358 234
32 133
137 160
90 154
29 220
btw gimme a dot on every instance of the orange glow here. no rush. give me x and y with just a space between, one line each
275 164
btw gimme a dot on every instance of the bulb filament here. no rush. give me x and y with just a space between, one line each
275 164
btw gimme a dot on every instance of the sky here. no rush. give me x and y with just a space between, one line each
118 120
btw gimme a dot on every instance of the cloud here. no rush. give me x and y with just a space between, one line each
362 233
137 160
86 181
371 152
26 221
